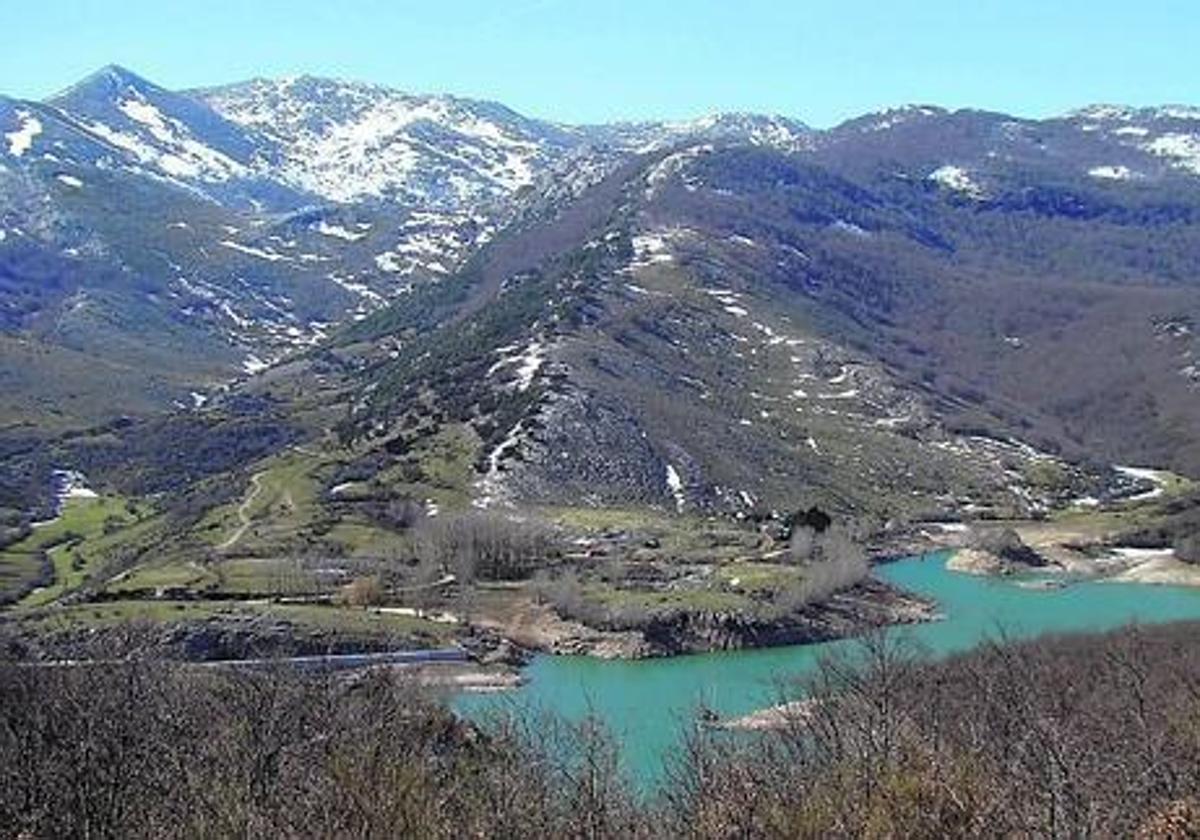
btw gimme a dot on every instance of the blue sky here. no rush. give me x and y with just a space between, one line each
817 60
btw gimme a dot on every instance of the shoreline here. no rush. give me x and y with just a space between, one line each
870 604
1068 563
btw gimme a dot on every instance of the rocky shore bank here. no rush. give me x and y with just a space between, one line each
867 605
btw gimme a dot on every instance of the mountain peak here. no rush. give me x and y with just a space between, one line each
1103 111
888 118
119 73
108 82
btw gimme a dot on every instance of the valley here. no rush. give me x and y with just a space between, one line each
350 368
652 703
653 421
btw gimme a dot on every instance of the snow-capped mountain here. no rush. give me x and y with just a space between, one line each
236 224
117 121
977 154
719 328
163 131
773 131
1170 133
288 144
348 142
282 146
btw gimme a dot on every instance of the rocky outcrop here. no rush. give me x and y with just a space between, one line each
848 613
996 551
869 604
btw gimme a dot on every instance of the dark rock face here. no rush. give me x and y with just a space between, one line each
1006 544
588 447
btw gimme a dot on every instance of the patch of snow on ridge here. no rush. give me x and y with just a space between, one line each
851 228
269 256
21 140
126 142
184 156
528 362
1111 173
729 300
350 285
957 179
531 363
1103 112
388 263
1180 112
346 141
1182 150
674 164
650 248
73 485
675 485
339 232
884 120
491 485
252 364
1145 474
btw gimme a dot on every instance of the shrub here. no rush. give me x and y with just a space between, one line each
363 592
832 561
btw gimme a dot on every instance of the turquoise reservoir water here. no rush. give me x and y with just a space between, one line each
648 703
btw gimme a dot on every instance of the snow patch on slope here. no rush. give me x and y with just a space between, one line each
526 363
1156 478
672 165
346 141
269 256
652 248
21 140
675 485
1111 173
163 143
339 232
436 242
957 179
351 285
1182 150
491 485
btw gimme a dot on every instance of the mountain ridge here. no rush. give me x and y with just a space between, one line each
287 221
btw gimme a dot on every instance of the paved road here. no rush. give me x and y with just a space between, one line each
341 661
336 661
